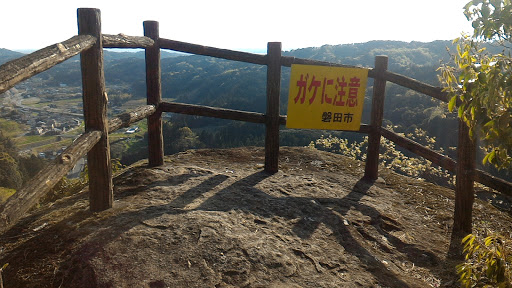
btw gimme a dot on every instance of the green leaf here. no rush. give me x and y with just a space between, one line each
489 157
489 124
461 111
465 239
452 103
486 159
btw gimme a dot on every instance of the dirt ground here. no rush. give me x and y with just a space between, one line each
213 218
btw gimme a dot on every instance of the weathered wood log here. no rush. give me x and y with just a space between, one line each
287 61
272 116
125 41
154 96
464 188
199 110
435 92
25 198
371 171
493 182
230 114
431 155
212 51
95 111
17 70
126 119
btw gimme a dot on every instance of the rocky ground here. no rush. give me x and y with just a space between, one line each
213 218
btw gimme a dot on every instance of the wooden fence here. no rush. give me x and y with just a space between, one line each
90 43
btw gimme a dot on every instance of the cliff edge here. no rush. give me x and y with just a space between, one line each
213 218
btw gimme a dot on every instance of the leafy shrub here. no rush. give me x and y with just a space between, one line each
486 264
390 156
5 193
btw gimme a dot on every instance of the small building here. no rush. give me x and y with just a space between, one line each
36 131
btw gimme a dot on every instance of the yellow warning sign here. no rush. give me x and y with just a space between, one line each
322 97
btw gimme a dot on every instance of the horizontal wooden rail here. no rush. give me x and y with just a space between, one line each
287 61
15 71
432 91
191 109
126 119
124 41
212 51
435 157
25 198
447 163
254 117
495 183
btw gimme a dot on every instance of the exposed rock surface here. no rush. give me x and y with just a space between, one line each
213 218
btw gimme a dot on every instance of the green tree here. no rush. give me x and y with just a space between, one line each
481 81
15 170
10 175
482 84
118 99
178 137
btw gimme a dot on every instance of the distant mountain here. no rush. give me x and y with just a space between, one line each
229 84
109 55
195 75
7 55
399 53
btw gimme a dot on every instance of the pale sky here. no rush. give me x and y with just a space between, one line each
240 25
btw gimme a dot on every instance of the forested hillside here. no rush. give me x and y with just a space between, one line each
221 83
6 55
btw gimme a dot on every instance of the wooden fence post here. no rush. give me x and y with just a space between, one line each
272 115
95 111
154 96
371 171
464 190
